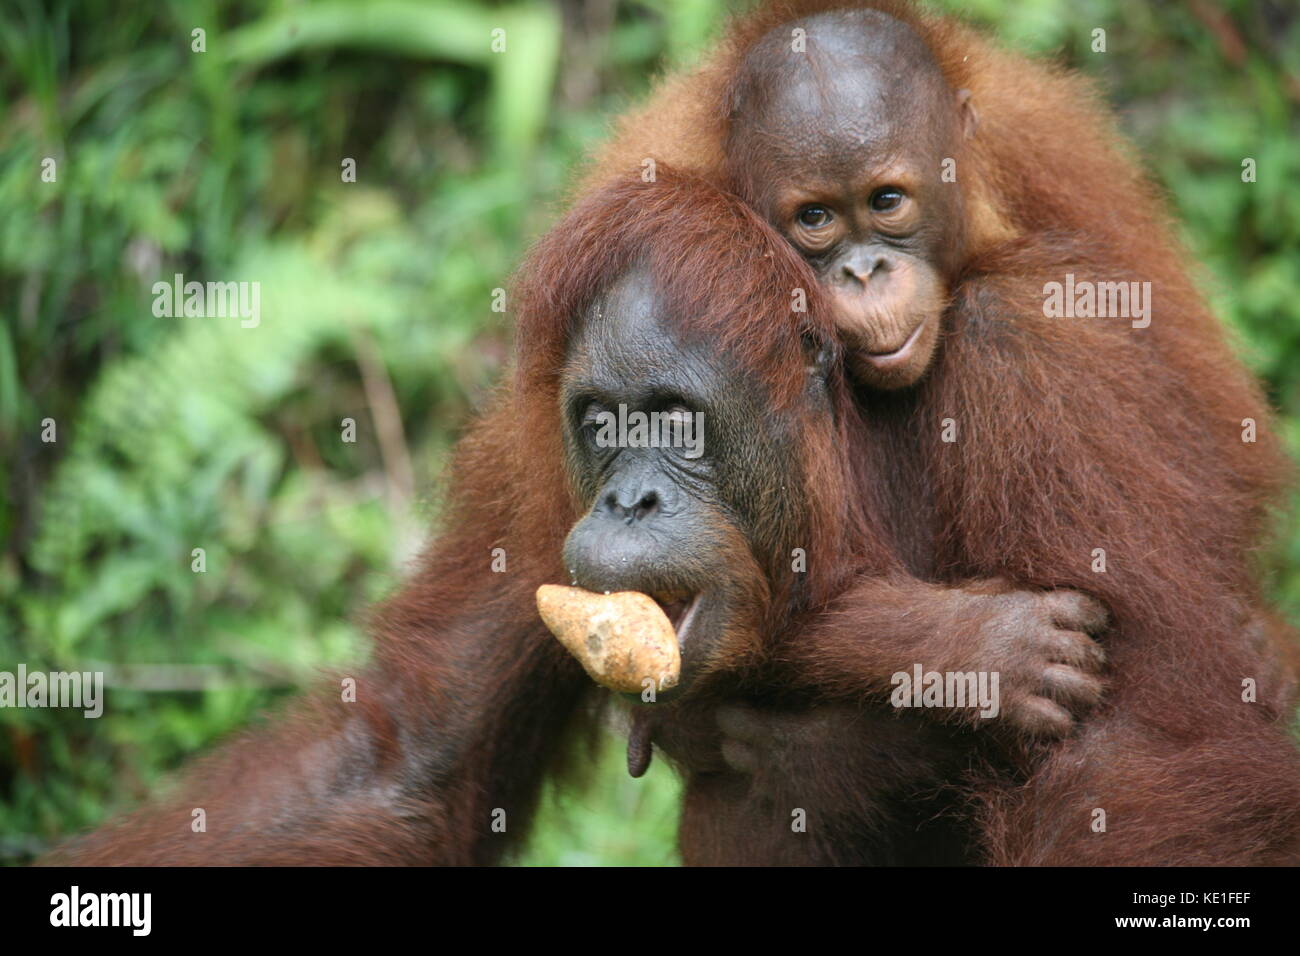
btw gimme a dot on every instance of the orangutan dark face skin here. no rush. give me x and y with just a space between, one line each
842 147
684 528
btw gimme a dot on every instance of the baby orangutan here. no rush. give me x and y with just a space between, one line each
842 146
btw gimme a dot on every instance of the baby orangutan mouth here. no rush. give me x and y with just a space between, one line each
899 354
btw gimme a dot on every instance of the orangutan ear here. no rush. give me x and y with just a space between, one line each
970 119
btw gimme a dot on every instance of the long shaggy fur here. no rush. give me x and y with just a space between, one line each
1074 434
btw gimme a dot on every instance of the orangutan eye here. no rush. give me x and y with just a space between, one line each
679 419
594 416
814 217
886 199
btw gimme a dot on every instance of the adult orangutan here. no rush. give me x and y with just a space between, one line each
469 699
941 188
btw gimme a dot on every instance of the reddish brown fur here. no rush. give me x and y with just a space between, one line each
468 698
1075 434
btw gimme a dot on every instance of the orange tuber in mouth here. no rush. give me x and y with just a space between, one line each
621 639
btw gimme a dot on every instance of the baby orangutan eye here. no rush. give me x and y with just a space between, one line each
886 199
814 217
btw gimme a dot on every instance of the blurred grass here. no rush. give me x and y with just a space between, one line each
175 434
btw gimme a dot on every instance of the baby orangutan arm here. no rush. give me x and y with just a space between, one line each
1038 644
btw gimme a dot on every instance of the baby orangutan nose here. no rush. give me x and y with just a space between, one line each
862 270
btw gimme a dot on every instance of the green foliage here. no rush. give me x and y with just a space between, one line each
184 433
617 821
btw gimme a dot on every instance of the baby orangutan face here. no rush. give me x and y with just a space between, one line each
842 148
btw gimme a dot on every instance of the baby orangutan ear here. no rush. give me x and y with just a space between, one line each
970 119
821 355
